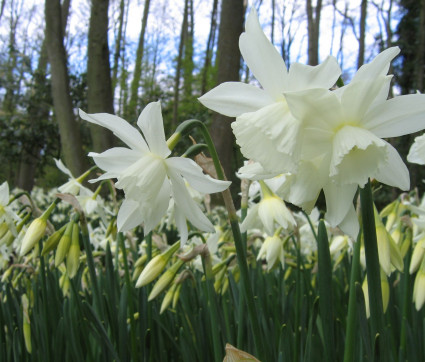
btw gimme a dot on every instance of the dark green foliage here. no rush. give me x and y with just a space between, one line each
73 327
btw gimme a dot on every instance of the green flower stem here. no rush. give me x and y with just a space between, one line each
325 290
241 303
90 264
129 294
407 299
373 272
234 223
350 339
148 239
212 300
81 178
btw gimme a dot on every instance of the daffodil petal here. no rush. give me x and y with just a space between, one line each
115 160
276 130
317 108
303 76
195 177
262 58
356 154
121 128
235 98
186 204
181 224
397 117
4 193
358 96
251 219
152 125
416 152
161 202
393 171
63 168
339 198
350 224
129 215
254 171
378 66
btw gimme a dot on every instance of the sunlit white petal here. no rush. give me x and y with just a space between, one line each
151 123
235 98
417 151
262 58
195 177
121 128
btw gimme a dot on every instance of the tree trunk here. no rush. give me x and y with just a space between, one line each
118 45
313 26
132 106
188 55
38 109
99 85
363 16
421 50
68 127
183 36
228 66
273 21
209 50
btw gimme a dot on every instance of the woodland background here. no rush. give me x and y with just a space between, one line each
116 56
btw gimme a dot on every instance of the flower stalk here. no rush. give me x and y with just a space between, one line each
373 272
234 223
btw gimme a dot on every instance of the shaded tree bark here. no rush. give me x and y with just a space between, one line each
137 75
420 60
363 16
183 36
118 45
38 109
99 84
68 127
228 66
210 47
313 26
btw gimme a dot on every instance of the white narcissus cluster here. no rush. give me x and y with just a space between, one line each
149 177
330 140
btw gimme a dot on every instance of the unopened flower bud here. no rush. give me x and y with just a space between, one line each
168 298
26 323
165 279
53 241
417 255
155 266
34 233
73 257
419 287
64 244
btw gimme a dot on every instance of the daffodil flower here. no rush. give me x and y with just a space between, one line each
343 137
149 177
269 212
73 185
417 151
263 116
7 215
272 251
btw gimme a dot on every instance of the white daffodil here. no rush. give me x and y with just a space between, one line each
272 251
148 176
344 131
73 185
265 129
7 215
417 151
269 212
93 204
